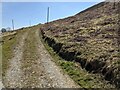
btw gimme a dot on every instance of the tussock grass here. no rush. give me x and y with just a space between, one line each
79 75
7 51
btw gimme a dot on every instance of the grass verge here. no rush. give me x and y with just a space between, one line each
8 45
7 51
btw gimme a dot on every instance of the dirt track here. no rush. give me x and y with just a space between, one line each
32 66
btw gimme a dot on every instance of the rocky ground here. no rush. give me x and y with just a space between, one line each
91 39
32 66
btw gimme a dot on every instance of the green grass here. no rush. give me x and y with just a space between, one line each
30 56
7 50
29 50
8 46
79 75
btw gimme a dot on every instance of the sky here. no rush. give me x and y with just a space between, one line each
24 13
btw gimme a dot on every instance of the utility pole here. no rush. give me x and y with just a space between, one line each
13 24
30 23
47 14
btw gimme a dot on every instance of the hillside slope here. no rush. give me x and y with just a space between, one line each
91 37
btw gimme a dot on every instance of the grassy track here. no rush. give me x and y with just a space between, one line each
10 41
